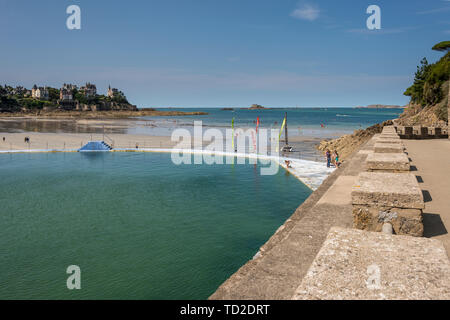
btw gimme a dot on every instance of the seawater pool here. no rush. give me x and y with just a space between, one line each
138 226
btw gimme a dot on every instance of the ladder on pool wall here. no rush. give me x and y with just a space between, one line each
95 146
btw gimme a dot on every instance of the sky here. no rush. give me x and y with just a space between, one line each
228 53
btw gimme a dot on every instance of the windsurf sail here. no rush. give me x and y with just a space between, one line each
232 134
281 131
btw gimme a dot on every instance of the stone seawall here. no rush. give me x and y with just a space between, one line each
278 268
372 191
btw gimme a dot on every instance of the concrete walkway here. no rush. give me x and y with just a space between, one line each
278 268
430 161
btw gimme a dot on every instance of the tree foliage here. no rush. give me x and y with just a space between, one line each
442 46
15 102
428 81
53 94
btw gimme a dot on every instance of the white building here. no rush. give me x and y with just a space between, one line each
90 90
112 92
40 93
65 95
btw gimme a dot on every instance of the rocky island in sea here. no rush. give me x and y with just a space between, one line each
256 107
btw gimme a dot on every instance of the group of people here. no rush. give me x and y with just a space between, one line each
332 159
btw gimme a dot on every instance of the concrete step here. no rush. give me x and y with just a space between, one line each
360 265
388 147
395 198
393 162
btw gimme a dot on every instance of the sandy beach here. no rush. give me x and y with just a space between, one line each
16 141
72 134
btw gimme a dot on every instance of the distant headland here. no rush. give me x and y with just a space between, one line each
380 106
73 101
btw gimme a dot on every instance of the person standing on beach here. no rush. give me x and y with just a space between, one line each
328 155
336 159
4 139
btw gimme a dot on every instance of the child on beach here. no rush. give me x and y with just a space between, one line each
336 159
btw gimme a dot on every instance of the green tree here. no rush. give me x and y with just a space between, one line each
442 46
53 94
428 81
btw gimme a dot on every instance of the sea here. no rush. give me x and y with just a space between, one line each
320 123
307 122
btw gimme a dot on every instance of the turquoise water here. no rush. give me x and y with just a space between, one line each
138 226
301 121
305 122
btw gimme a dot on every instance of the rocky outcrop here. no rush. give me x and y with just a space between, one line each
106 106
430 116
347 144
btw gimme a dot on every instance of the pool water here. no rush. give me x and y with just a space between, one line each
138 226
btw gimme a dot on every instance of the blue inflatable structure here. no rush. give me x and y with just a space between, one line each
95 146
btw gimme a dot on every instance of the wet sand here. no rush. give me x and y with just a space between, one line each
17 125
67 134
16 141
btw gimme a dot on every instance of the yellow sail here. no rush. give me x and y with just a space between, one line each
281 131
232 134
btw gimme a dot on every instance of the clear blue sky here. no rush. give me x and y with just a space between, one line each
208 53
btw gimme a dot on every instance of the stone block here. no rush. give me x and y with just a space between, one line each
392 190
400 130
403 221
436 132
360 265
389 129
389 136
388 140
387 162
388 148
424 132
408 131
